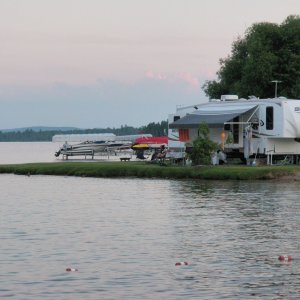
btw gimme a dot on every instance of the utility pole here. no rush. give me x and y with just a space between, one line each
276 82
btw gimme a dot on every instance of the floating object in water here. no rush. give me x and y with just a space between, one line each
285 257
182 263
71 270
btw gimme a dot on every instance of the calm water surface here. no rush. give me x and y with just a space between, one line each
125 235
11 153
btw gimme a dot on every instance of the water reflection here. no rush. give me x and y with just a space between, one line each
238 229
125 236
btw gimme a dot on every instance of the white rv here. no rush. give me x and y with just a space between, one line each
254 128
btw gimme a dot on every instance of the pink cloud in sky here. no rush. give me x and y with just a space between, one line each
189 78
186 77
150 74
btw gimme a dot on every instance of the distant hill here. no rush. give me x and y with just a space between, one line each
39 128
44 133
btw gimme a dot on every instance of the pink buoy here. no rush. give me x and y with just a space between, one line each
71 270
182 263
285 257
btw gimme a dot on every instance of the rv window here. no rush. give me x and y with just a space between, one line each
227 127
176 118
269 118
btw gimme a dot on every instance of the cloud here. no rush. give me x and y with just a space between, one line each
191 80
185 77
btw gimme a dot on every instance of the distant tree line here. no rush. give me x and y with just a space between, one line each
29 135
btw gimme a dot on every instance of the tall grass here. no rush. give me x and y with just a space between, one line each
144 170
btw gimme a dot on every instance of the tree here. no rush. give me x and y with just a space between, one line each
30 135
267 52
203 147
156 129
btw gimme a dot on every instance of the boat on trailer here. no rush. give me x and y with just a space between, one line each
94 144
92 148
253 128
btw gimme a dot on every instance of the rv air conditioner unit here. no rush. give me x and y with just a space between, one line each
229 97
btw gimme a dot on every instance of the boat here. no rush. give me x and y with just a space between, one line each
153 142
92 148
148 147
107 144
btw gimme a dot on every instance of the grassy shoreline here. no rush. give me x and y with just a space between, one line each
145 170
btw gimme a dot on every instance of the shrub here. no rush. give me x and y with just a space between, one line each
203 147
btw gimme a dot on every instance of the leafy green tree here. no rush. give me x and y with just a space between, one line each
267 52
156 129
203 147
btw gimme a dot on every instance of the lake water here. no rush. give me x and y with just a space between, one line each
18 152
125 235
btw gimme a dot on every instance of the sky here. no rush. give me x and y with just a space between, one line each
98 64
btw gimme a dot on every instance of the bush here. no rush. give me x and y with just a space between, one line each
203 147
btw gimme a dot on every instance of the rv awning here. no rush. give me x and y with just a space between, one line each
212 118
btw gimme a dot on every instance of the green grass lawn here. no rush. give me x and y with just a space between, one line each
146 170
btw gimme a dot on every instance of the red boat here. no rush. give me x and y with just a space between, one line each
152 142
